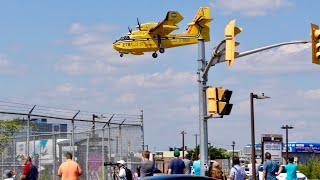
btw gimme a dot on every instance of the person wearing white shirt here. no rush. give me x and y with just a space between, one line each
122 171
257 168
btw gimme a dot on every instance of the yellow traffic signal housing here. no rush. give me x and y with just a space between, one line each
218 101
230 32
315 41
212 100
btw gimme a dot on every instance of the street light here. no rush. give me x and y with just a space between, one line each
183 133
286 127
253 153
233 143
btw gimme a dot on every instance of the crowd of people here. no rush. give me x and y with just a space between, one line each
70 170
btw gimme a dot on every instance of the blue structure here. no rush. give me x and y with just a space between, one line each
296 147
302 147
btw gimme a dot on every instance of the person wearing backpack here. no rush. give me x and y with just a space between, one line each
237 172
124 172
30 172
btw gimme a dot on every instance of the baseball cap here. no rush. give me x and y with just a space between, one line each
8 173
176 152
121 162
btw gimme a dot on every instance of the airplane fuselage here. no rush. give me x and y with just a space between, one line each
153 37
138 45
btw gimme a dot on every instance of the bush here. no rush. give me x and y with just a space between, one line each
311 168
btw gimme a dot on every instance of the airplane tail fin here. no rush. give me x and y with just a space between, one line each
201 23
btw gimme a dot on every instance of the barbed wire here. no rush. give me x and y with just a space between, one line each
23 109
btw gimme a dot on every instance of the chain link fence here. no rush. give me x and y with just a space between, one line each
90 149
93 141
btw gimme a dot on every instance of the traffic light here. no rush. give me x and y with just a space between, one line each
230 32
218 101
315 41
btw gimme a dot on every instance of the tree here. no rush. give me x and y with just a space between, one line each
8 129
213 153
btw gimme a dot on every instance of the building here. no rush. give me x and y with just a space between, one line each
301 151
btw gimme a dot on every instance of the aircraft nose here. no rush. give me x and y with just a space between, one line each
116 47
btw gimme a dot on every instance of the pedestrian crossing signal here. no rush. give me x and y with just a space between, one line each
218 101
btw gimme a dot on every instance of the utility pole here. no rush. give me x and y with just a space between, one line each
286 127
196 135
183 133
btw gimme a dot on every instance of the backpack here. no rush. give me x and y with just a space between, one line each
33 173
239 173
128 174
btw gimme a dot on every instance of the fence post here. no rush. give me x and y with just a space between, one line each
39 137
109 147
14 154
103 156
87 157
54 145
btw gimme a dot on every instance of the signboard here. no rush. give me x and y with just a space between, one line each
158 156
275 149
302 147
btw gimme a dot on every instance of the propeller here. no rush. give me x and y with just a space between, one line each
130 30
138 24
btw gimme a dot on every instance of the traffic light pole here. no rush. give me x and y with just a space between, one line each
218 56
203 126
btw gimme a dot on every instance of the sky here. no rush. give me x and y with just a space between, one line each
59 54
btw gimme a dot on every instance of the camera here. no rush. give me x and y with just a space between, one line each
110 164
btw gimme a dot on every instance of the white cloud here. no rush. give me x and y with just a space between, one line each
77 28
251 7
168 78
286 59
94 54
69 88
230 81
11 68
127 98
313 94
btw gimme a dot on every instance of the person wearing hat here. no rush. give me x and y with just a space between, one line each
8 175
176 165
187 163
122 171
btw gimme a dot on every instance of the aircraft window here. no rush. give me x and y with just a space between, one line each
126 37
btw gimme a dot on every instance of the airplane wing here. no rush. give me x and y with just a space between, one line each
167 25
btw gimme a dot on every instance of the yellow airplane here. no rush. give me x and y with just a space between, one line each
153 37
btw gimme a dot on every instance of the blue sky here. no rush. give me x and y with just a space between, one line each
59 54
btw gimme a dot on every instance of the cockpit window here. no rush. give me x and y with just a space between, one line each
123 38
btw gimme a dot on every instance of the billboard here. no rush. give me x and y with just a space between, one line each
275 149
298 147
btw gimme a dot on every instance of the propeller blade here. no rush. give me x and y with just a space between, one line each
138 23
130 30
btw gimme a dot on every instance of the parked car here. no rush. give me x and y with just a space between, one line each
248 173
283 174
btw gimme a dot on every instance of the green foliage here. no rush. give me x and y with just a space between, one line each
213 152
311 168
8 129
